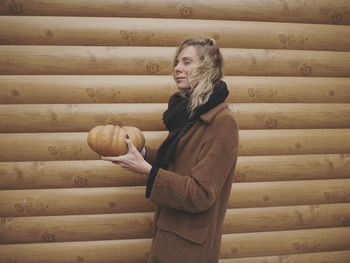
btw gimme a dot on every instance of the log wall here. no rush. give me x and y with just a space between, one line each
67 66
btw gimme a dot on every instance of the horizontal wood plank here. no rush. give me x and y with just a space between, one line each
73 146
93 31
86 60
148 117
96 173
40 202
140 225
285 242
316 257
136 251
43 89
312 11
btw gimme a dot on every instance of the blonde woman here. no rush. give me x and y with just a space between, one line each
190 175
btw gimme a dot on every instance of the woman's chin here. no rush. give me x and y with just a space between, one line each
181 86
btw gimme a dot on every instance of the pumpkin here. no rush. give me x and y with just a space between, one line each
109 140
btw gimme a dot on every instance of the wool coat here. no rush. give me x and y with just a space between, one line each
192 194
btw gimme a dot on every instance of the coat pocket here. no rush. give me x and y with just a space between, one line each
188 226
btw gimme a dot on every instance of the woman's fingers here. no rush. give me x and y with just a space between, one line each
129 161
131 146
112 158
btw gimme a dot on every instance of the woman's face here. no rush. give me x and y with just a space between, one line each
186 61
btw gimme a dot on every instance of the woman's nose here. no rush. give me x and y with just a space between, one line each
178 68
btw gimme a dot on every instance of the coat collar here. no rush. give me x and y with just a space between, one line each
209 115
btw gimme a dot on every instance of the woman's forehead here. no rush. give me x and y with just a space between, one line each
188 52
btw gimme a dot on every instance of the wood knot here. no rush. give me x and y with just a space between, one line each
234 250
266 198
345 221
297 145
15 7
327 196
80 181
282 38
53 115
314 209
79 259
52 150
305 70
271 123
48 237
185 11
239 177
14 93
306 246
19 207
152 67
49 33
251 92
299 215
112 204
283 258
124 34
19 172
331 93
6 220
336 17
93 59
91 92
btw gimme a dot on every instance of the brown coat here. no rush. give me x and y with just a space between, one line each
192 195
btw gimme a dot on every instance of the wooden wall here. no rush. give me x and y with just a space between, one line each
67 66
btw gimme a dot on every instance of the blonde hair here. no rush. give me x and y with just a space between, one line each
206 75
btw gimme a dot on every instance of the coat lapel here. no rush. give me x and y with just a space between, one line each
206 118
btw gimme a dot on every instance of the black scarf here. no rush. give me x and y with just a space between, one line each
178 121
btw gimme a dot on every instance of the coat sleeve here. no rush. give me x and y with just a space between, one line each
199 191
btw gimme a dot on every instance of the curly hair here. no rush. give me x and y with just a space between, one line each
203 78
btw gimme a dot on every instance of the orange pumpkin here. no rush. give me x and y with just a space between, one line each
109 140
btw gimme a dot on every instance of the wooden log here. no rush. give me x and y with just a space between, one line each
262 194
74 201
116 251
157 61
290 167
118 226
89 116
312 11
288 89
278 218
316 257
93 31
92 173
42 89
65 174
89 89
73 146
287 142
76 228
233 246
148 117
41 202
285 242
46 146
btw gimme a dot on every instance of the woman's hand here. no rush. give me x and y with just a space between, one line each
131 161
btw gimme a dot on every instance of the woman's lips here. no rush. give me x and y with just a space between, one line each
180 78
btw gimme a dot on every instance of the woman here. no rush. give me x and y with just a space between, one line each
190 176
